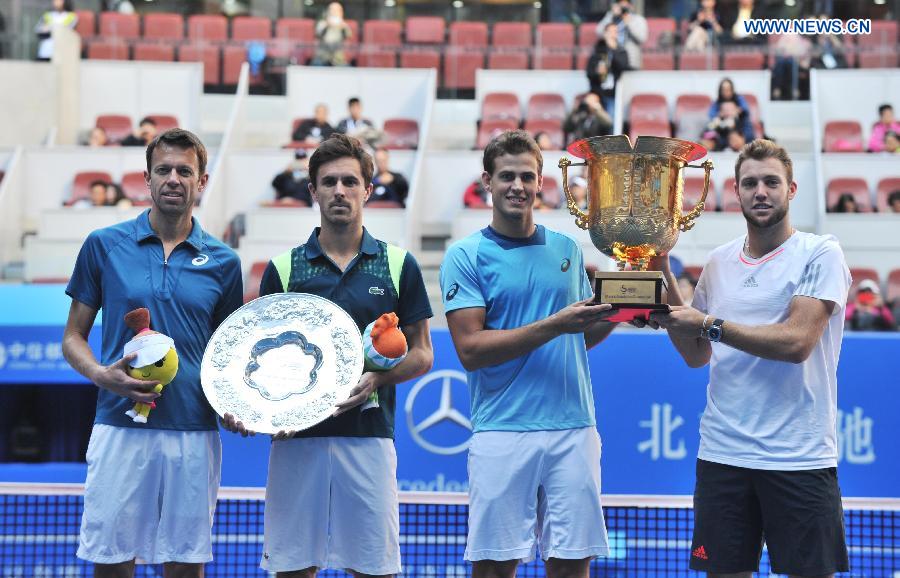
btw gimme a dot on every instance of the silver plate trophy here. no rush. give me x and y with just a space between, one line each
282 362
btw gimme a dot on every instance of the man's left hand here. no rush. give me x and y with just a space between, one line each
681 320
368 383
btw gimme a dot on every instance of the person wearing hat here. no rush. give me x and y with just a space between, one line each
292 184
868 312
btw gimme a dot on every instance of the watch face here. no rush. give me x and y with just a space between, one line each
715 333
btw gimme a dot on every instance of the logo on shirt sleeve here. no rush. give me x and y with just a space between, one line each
564 266
451 293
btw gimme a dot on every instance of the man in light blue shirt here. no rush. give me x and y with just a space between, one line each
520 311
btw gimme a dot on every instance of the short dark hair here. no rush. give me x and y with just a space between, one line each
893 196
340 146
884 107
98 183
353 101
179 138
761 149
147 120
511 142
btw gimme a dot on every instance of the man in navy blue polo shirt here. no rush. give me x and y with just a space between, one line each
151 488
331 495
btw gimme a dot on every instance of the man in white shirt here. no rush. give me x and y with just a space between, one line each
767 315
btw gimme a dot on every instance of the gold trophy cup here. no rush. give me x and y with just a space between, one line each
634 212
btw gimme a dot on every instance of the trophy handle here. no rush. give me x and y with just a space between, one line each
686 222
581 218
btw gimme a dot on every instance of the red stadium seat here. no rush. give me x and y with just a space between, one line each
100 49
660 33
384 204
87 23
117 126
401 133
501 106
254 278
207 27
693 270
699 61
587 35
248 28
693 188
691 104
744 60
154 51
469 34
420 58
491 128
205 53
233 57
551 195
554 46
649 128
553 128
842 136
460 67
163 26
884 34
860 273
879 58
893 286
382 32
117 25
295 39
658 60
351 45
511 35
648 107
730 203
425 30
164 121
546 106
855 186
296 29
886 187
81 185
508 61
135 188
373 57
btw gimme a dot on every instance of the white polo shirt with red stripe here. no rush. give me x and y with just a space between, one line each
760 413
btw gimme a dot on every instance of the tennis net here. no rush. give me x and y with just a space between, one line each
650 536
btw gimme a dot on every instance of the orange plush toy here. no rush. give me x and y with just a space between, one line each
384 346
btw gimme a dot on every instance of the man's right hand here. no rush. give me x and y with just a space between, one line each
115 378
581 315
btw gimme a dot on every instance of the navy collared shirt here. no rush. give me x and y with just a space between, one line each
121 268
364 290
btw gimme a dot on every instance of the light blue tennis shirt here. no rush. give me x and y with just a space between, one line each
518 282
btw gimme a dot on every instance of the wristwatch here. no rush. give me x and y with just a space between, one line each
714 333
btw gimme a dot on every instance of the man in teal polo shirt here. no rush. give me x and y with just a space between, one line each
331 495
151 488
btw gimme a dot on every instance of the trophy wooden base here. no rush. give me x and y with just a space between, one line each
636 294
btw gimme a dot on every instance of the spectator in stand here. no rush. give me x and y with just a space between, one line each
314 130
357 126
386 184
727 94
867 311
588 119
735 140
846 203
97 138
730 118
790 75
145 133
606 64
891 142
738 33
292 184
476 196
885 123
332 31
543 141
97 196
631 30
704 30
115 197
60 14
578 190
829 50
894 201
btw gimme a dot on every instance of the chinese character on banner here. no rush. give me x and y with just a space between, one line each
34 351
53 351
662 424
2 355
16 350
855 437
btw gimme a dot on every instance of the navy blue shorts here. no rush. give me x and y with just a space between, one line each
798 514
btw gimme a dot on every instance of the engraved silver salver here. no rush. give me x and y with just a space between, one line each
282 362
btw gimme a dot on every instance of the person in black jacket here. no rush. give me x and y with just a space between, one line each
292 184
606 65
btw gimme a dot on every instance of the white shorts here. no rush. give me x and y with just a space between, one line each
530 488
150 495
331 502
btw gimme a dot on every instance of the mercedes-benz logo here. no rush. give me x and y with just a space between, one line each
444 412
